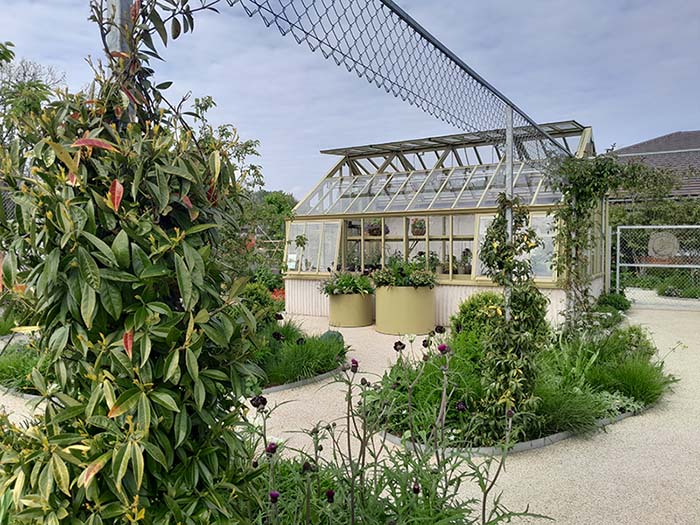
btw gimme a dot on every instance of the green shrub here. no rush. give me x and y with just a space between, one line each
269 279
302 358
636 377
615 300
623 344
478 314
401 273
258 299
347 283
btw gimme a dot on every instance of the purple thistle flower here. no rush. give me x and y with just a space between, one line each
398 346
271 448
425 343
354 365
279 316
258 401
274 496
443 348
461 406
416 487
510 413
439 329
277 336
301 341
330 495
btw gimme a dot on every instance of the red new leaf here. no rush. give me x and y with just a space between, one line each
94 143
71 180
135 10
128 341
116 192
187 202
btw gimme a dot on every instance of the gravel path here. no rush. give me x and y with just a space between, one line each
643 470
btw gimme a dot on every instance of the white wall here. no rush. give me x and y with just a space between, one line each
303 297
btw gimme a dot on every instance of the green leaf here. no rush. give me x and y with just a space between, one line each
125 402
117 276
111 299
159 26
176 28
87 304
165 399
120 463
184 282
182 422
154 271
120 249
199 393
60 474
172 364
200 228
88 268
155 452
102 247
93 468
143 412
59 339
145 347
192 364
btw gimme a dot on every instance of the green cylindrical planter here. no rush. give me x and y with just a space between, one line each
405 310
350 310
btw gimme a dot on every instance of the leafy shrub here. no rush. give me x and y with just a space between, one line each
116 228
623 344
636 377
479 313
16 364
615 300
347 283
269 279
258 299
332 335
402 273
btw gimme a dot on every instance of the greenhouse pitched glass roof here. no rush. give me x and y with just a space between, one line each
456 172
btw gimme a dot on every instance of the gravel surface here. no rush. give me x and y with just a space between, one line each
643 470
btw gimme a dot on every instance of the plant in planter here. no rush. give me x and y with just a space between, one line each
465 262
432 261
373 228
350 299
405 298
418 227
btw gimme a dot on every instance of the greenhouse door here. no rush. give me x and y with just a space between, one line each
657 266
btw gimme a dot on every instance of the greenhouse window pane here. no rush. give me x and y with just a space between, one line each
408 191
374 186
353 262
498 186
484 223
425 196
475 187
310 252
329 246
547 196
352 191
526 184
382 199
462 257
450 191
541 257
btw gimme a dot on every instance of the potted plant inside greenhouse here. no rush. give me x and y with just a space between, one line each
405 298
349 299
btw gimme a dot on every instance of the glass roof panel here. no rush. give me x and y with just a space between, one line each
498 185
450 191
475 188
403 196
382 199
422 199
353 190
367 194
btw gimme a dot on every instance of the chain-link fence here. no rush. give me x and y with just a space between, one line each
658 265
380 42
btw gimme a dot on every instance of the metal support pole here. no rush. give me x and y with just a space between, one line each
509 196
118 13
617 263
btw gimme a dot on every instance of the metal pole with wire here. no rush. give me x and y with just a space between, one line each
509 197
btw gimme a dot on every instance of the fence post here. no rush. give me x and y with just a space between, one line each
617 262
509 196
608 259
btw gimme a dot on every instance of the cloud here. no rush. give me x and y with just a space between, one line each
627 68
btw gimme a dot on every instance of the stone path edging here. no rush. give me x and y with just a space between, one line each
304 382
518 447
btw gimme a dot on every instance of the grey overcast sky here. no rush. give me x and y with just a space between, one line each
629 68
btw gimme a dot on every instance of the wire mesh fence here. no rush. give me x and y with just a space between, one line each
658 265
378 41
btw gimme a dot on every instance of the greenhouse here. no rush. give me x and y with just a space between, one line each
428 200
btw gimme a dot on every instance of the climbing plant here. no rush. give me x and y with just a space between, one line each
520 328
117 211
584 184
